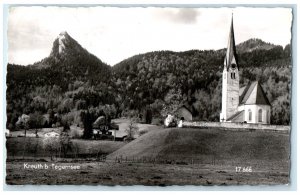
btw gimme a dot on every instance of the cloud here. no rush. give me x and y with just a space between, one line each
187 15
114 34
182 15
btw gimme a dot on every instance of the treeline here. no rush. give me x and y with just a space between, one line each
152 78
64 86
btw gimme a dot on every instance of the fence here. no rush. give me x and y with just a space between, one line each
158 160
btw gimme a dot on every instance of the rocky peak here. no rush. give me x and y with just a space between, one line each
64 44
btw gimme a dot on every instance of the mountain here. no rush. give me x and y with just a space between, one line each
64 46
71 80
254 44
67 62
68 56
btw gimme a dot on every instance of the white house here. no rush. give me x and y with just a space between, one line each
7 133
247 104
51 134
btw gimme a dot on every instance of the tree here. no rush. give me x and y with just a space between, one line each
51 117
131 130
23 123
173 99
148 116
87 125
65 142
51 144
36 122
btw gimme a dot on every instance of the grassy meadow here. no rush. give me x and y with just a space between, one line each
171 156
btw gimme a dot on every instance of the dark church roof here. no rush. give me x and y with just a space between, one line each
231 56
239 116
253 93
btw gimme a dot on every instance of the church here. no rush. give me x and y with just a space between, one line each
248 104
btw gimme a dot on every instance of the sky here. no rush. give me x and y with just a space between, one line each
114 34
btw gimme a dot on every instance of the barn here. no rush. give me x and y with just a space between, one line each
185 112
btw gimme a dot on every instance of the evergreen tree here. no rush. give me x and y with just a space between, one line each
87 125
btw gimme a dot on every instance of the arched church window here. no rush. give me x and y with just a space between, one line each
232 74
250 115
260 115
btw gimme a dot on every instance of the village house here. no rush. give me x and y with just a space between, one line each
184 112
51 134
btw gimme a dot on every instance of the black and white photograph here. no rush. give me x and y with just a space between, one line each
149 95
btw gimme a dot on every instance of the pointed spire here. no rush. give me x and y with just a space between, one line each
231 57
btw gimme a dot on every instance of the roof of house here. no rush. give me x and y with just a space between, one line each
184 106
191 109
99 121
253 93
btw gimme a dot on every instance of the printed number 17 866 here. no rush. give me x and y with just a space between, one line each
243 169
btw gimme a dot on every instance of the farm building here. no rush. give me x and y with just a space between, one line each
102 127
187 112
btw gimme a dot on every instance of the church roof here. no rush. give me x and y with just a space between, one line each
231 56
237 117
253 93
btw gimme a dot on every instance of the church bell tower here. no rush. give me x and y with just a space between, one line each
230 80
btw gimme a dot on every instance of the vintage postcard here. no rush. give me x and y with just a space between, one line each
149 95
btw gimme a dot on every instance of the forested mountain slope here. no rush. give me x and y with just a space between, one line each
71 79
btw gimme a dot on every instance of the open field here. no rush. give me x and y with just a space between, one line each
179 156
33 147
202 145
111 173
123 124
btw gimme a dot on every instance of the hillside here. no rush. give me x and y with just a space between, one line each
254 44
71 80
203 145
194 77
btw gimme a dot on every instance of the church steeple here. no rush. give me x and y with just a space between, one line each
230 80
231 56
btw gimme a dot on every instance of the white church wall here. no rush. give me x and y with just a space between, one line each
224 96
241 107
253 113
255 116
